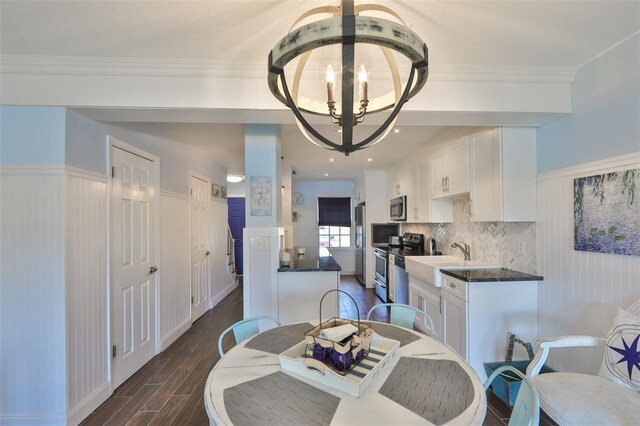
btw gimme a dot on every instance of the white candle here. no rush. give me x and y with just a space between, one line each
362 77
331 81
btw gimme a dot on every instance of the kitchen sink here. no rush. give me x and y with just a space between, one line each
428 269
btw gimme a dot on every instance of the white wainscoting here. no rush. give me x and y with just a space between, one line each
32 295
86 293
346 258
174 268
581 290
54 311
305 228
222 282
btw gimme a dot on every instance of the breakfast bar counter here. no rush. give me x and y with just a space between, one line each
310 262
303 282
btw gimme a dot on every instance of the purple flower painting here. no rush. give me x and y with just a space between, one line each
607 213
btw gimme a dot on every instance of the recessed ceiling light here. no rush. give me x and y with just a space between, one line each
396 130
326 174
331 159
235 178
369 159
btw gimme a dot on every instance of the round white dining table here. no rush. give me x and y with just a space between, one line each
248 386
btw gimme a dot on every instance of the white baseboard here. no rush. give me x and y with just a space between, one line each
88 405
30 419
173 335
224 293
345 272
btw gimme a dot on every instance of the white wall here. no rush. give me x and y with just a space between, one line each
262 159
31 135
581 290
305 230
606 107
86 149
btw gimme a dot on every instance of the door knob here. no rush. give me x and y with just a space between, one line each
208 253
152 270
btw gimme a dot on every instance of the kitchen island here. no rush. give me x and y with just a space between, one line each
303 282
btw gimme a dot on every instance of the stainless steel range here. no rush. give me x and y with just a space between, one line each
381 258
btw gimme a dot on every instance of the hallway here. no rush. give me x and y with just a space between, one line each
169 389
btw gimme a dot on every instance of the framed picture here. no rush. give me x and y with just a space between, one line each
215 190
223 191
606 213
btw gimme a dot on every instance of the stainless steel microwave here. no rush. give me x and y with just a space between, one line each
398 209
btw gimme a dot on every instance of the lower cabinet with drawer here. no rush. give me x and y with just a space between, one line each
427 298
476 317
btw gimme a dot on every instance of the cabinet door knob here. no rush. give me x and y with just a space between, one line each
452 285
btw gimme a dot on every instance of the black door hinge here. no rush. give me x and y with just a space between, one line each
113 171
113 351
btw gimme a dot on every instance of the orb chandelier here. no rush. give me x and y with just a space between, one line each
347 27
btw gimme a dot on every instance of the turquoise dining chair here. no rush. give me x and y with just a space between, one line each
526 409
244 329
403 315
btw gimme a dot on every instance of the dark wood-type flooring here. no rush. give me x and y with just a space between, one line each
169 389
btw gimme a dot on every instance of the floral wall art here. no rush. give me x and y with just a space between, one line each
607 213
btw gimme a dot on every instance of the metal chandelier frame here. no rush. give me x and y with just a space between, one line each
347 27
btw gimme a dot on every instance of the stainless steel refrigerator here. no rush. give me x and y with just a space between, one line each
361 241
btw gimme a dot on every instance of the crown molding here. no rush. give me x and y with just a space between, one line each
211 68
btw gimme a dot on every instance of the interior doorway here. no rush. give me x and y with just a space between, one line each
133 259
237 224
200 247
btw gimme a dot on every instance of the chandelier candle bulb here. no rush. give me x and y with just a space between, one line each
362 76
331 81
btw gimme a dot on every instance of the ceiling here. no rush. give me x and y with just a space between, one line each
481 33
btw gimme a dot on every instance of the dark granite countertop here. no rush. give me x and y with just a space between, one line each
311 261
490 275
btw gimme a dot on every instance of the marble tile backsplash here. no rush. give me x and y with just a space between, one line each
489 241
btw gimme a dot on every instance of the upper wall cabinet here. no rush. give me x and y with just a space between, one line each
397 184
430 210
450 170
415 183
503 175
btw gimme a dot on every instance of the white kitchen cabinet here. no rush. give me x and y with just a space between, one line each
427 298
430 210
503 175
476 317
411 186
450 170
398 184
391 265
454 323
404 182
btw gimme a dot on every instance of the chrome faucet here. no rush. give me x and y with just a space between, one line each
466 250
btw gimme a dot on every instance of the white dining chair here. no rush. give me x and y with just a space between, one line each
403 315
244 329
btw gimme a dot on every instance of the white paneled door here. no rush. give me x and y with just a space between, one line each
133 263
200 273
